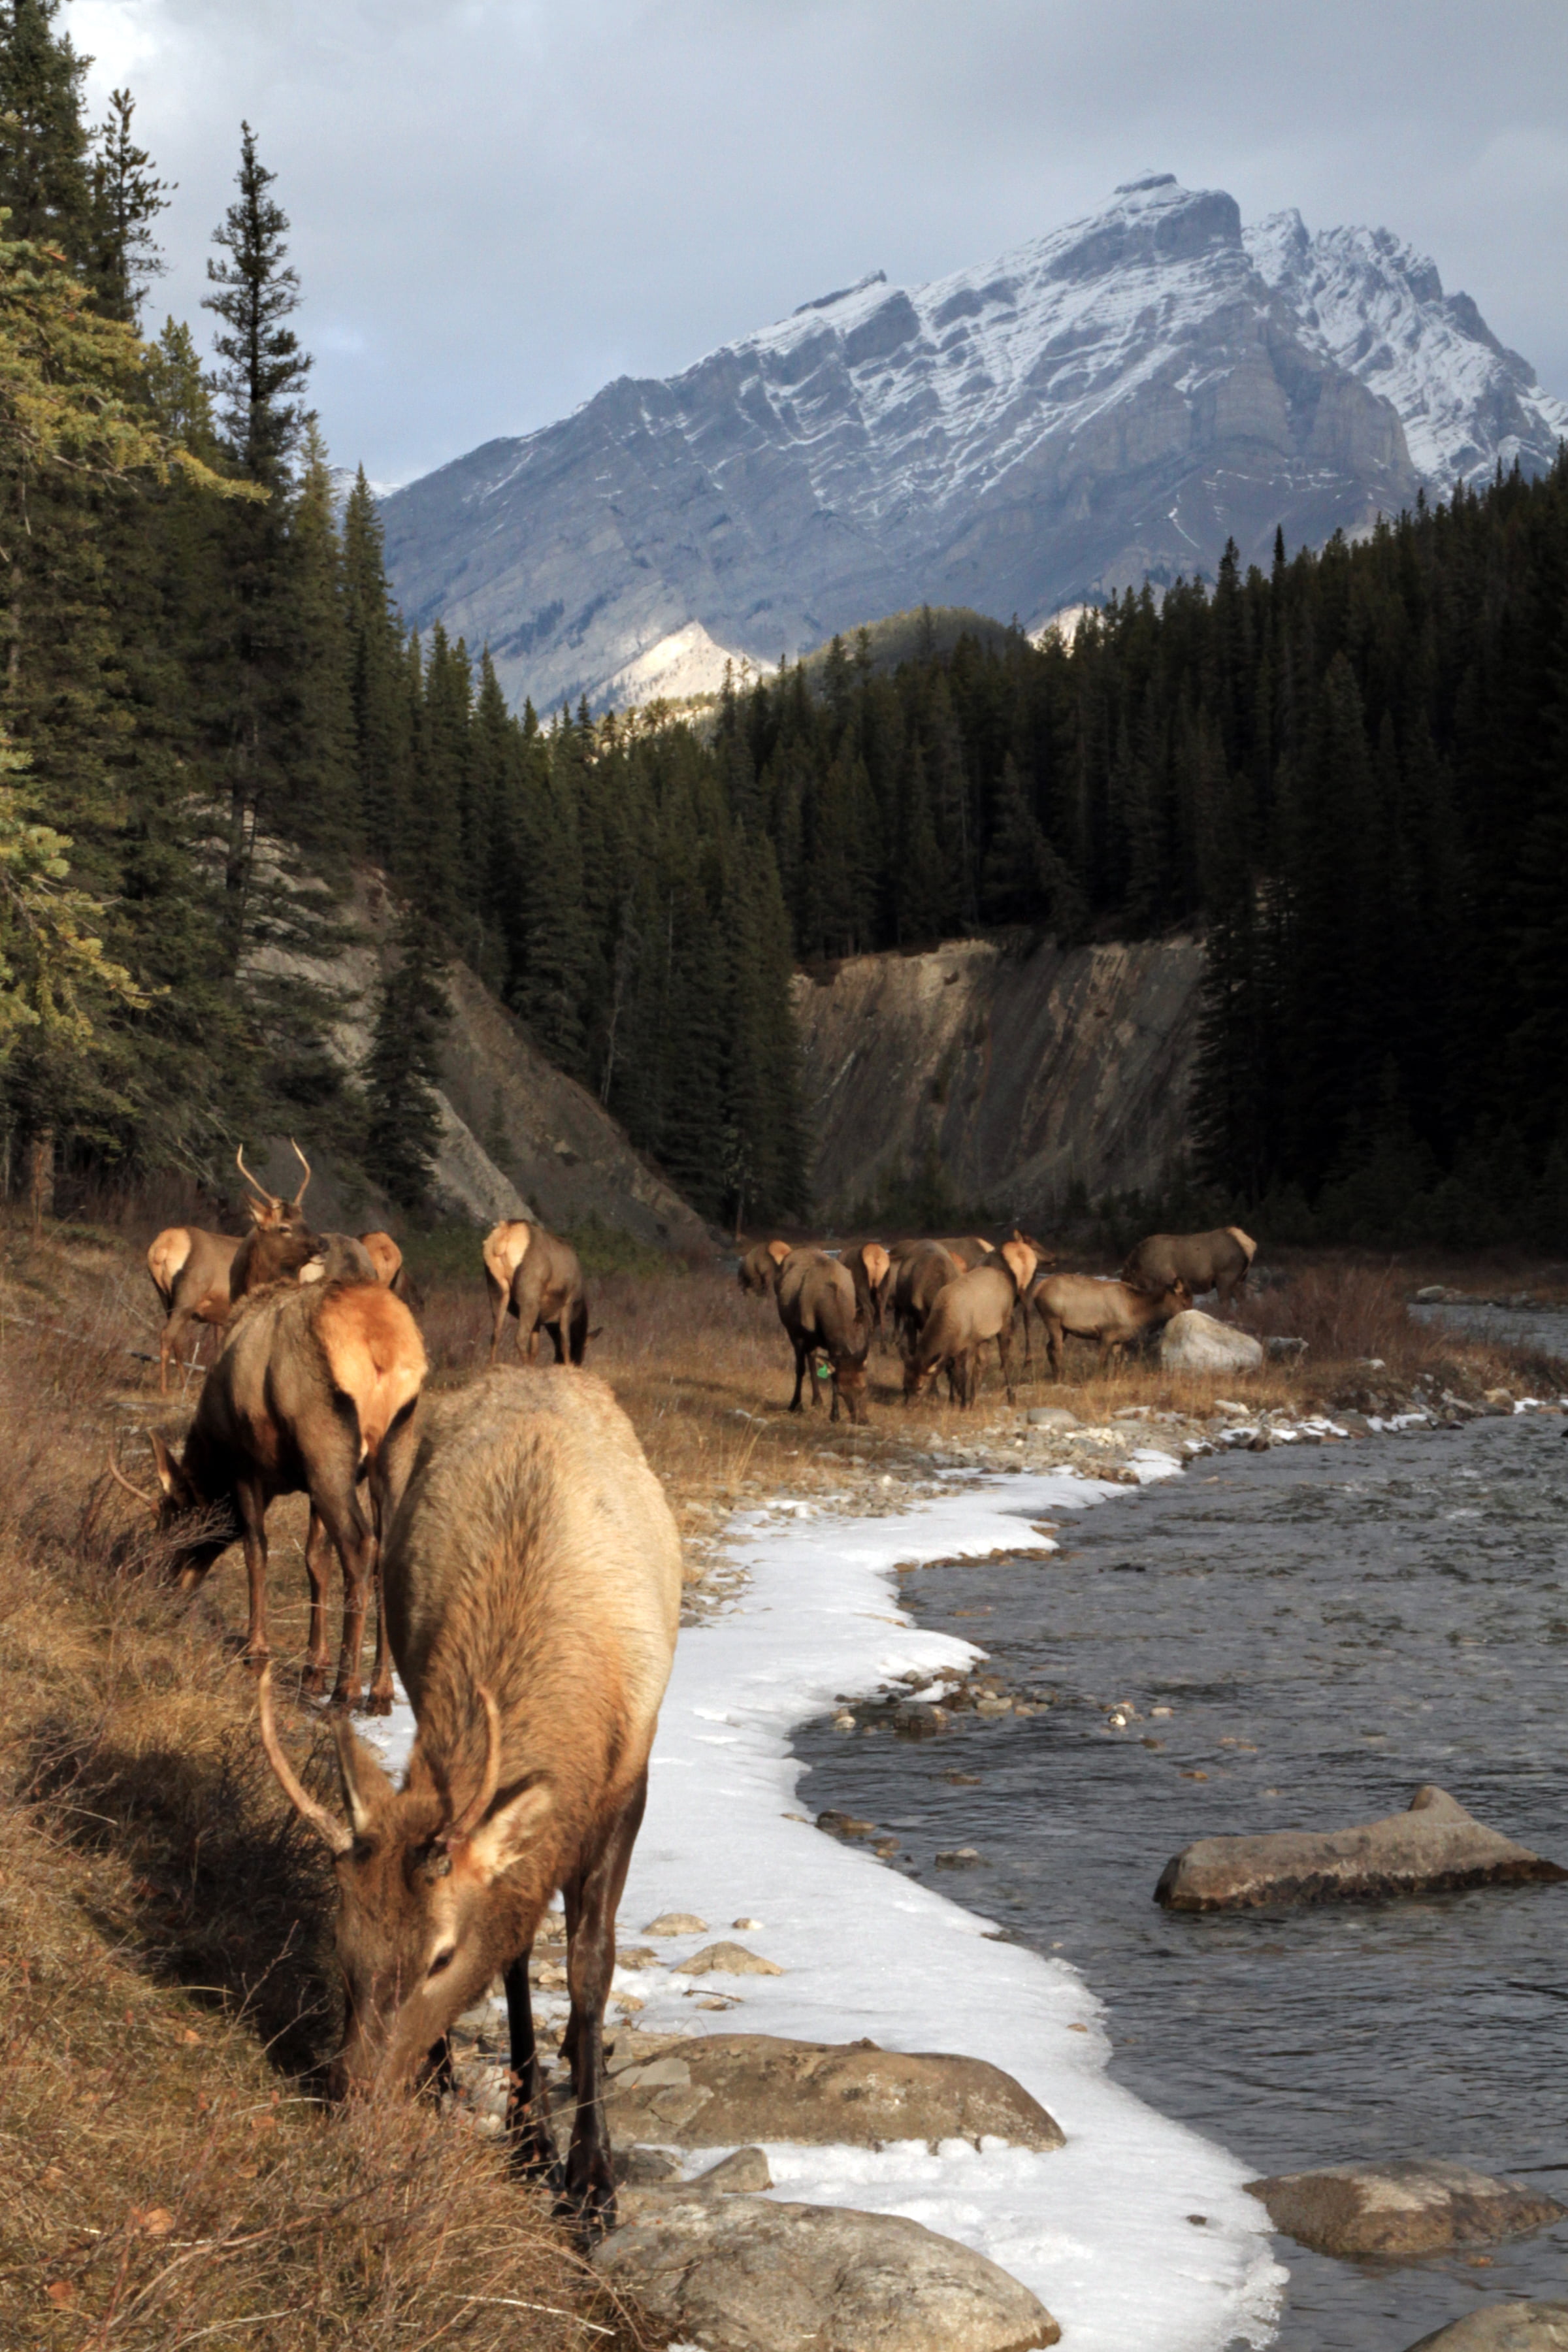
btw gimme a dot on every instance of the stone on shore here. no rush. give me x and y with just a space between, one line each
1051 1416
741 2275
1194 1342
722 2090
1504 2327
1434 1848
727 1959
1400 2211
676 1923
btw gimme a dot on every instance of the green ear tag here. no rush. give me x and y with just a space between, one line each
824 1372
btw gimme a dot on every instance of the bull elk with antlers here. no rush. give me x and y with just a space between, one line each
532 1579
193 1270
310 1383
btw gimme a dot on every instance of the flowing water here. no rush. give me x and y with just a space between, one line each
1328 1628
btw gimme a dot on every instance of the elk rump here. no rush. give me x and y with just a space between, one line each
532 1578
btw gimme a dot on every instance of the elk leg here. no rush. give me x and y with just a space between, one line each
800 1362
381 1671
318 1564
1005 1357
253 1534
527 2109
591 1903
557 1331
503 1299
356 1551
169 1342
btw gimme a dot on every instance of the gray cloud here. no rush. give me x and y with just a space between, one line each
498 204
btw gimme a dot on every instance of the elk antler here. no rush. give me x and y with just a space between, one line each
149 1502
337 1834
306 1166
479 1804
259 1189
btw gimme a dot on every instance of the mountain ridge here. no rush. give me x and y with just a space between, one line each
1106 403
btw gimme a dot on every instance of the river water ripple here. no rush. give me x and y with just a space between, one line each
1328 1628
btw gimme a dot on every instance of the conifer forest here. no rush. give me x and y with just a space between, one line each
1349 774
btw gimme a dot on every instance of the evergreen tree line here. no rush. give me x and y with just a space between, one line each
211 710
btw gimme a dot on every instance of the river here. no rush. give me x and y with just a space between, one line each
1328 1628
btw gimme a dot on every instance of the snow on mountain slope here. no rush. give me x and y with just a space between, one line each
1376 306
1106 404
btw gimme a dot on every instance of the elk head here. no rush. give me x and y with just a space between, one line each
179 1510
269 1210
440 1884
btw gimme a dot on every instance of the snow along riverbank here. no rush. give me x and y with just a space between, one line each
1104 2230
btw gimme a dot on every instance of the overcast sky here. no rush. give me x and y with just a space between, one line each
499 205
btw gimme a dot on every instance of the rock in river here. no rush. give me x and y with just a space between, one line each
741 2275
1434 1847
720 2090
1504 2327
1194 1342
1400 2211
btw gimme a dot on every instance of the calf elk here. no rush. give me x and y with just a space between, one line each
309 1387
533 1580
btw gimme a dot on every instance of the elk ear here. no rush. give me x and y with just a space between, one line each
176 1485
504 1837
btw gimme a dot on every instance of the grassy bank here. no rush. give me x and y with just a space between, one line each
168 1993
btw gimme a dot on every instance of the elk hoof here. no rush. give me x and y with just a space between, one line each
313 1681
346 1699
378 1702
254 1659
590 2212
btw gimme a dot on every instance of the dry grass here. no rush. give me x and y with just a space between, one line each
167 1995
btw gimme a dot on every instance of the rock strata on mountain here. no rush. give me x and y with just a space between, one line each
1109 403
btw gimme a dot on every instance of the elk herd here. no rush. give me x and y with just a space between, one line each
945 1301
526 1570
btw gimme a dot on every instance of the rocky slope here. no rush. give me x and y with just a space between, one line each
1107 403
1025 1070
518 1136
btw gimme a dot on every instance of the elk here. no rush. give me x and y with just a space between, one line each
917 1279
533 1579
1088 1307
503 1249
977 1306
1220 1260
548 1294
969 1249
758 1272
279 1243
387 1259
823 1316
870 1270
193 1270
309 1384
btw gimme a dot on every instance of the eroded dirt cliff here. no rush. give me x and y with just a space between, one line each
1027 1068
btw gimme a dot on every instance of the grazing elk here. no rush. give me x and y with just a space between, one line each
976 1307
871 1271
532 1579
1087 1306
309 1384
548 1295
758 1272
918 1277
1220 1260
823 1316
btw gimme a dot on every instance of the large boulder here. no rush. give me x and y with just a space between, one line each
741 2275
1434 1847
719 2090
1504 2327
1402 2210
1194 1342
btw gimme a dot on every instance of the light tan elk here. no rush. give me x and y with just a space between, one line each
548 1295
386 1258
309 1384
503 1249
1220 1260
823 1317
758 1272
977 1307
532 1579
191 1269
1081 1307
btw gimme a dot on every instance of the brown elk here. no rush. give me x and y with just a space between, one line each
917 1279
532 1579
1220 1260
758 1272
503 1249
279 1242
1084 1307
969 1249
309 1384
823 1315
548 1295
193 1270
871 1271
977 1307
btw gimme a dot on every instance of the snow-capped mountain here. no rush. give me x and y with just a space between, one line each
1107 403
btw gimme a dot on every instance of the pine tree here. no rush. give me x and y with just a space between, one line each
402 1073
